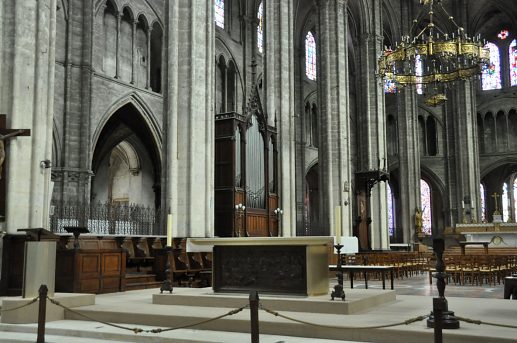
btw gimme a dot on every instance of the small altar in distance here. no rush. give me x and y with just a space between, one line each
277 265
499 235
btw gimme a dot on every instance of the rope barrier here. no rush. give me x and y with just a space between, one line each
19 307
479 322
57 303
137 330
232 312
406 322
156 330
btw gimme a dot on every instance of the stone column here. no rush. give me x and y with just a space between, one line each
409 151
461 114
333 93
27 46
117 58
189 117
133 50
409 162
373 152
148 77
279 100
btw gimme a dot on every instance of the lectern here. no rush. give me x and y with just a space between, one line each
39 266
76 230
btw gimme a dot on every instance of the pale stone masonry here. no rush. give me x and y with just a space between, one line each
86 76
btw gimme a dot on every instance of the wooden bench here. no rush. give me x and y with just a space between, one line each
352 269
138 252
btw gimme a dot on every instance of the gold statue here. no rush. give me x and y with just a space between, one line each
418 221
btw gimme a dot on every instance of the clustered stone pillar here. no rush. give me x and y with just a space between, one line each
189 117
27 45
409 150
409 161
461 113
333 93
373 129
279 100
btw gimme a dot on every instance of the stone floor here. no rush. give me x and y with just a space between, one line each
419 285
414 297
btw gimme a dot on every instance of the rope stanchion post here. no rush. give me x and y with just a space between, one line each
441 312
43 291
254 307
439 306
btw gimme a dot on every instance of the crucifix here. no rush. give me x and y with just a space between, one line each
6 134
495 196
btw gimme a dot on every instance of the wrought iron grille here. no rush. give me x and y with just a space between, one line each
107 218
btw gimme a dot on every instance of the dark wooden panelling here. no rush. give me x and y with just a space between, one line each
256 223
92 270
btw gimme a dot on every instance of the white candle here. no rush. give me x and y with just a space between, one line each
462 204
169 230
337 223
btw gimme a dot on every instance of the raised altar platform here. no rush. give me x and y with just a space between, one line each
357 300
279 265
498 235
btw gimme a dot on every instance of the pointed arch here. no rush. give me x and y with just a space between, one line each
143 109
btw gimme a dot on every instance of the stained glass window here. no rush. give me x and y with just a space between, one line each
425 202
419 70
513 63
503 34
491 74
391 212
390 86
515 197
310 56
219 13
504 202
260 28
483 202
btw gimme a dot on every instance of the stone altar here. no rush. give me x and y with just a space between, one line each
280 265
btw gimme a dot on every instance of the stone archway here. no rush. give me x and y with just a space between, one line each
126 162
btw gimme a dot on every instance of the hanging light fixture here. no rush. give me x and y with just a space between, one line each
432 58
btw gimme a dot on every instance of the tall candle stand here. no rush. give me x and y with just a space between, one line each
338 289
167 283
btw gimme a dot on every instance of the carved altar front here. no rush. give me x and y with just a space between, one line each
279 265
500 235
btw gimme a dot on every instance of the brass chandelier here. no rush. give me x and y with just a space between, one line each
432 58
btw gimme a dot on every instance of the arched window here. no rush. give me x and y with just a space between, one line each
515 197
419 70
425 203
483 201
389 86
505 202
219 13
260 28
310 56
391 212
512 52
491 74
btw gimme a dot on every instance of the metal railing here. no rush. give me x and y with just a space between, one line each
107 218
